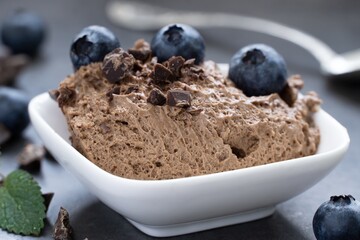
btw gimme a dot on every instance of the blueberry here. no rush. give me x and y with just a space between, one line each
178 40
258 70
23 32
91 45
338 218
13 110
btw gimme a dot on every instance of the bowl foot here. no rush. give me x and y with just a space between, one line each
196 226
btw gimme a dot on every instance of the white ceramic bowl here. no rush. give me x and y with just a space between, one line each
179 206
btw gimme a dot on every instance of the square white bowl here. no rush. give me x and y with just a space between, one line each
178 206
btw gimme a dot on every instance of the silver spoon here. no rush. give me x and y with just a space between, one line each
141 16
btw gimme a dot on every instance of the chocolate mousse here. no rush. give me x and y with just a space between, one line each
142 119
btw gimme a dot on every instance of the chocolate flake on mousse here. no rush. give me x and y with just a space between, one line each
290 91
54 94
175 65
67 96
179 98
156 97
118 65
140 54
131 89
160 74
114 90
141 50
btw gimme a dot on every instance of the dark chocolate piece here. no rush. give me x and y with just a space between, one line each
30 158
118 65
62 228
178 98
156 97
175 65
10 67
47 199
132 89
161 74
115 90
5 134
67 96
289 95
290 92
140 54
54 94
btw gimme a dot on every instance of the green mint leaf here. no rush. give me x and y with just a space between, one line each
22 209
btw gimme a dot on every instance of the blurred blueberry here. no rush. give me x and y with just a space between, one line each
91 45
23 32
258 70
178 40
13 110
338 219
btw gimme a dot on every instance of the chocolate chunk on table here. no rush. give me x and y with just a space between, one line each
62 227
30 157
10 67
5 134
47 199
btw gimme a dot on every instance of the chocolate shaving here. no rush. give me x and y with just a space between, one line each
62 228
10 67
140 54
54 94
118 65
179 98
67 96
115 90
30 158
5 134
160 74
175 65
156 97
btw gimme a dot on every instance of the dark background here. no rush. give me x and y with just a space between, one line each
335 22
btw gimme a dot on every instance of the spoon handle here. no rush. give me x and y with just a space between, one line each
140 16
